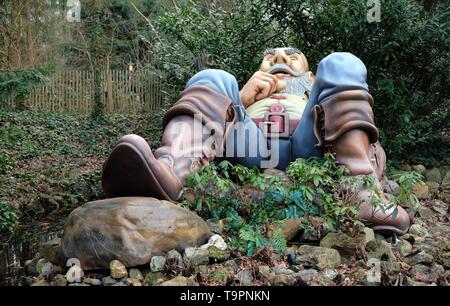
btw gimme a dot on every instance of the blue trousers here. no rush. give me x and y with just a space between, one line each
337 72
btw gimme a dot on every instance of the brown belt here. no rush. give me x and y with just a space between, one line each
276 122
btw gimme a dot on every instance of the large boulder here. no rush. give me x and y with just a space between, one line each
129 229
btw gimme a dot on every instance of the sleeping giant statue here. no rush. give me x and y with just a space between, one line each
282 113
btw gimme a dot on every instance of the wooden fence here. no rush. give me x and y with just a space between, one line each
71 91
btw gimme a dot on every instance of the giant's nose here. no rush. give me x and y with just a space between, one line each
280 58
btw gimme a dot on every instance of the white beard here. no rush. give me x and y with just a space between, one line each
298 86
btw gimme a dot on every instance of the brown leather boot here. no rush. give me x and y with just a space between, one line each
133 170
345 127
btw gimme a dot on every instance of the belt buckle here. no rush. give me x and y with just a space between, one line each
266 123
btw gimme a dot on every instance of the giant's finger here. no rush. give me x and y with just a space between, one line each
263 89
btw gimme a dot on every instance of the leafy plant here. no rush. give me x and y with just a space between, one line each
9 217
406 181
19 84
253 203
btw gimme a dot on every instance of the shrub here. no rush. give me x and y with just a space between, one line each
9 217
316 188
406 53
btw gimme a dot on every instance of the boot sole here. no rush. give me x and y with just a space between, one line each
386 229
127 173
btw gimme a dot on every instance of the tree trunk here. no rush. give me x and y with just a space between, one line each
99 107
30 44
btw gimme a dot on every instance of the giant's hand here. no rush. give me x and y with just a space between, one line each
261 85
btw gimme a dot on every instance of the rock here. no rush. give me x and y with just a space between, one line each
380 249
419 169
408 237
59 281
120 284
220 275
406 167
419 232
75 274
425 213
419 258
178 281
447 275
310 235
109 281
196 256
281 280
157 263
231 263
40 265
433 188
118 269
403 247
92 281
152 278
30 265
216 226
51 250
426 247
244 277
284 271
266 273
391 270
40 283
136 274
174 254
421 191
348 245
411 282
44 268
433 175
216 241
217 249
443 253
275 257
437 272
130 229
79 285
201 269
174 260
133 282
373 275
391 187
330 273
318 257
218 255
420 273
290 228
308 274
440 207
424 273
47 270
446 187
440 229
321 280
444 169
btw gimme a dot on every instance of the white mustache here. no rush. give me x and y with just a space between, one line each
283 68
